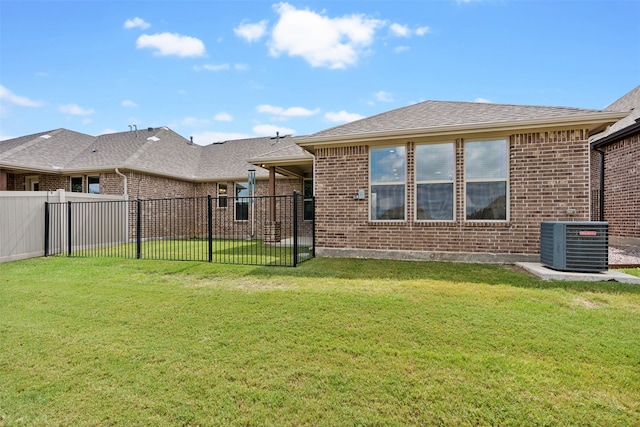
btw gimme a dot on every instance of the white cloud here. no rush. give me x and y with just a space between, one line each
192 121
136 23
21 101
223 117
209 137
285 113
128 103
270 130
166 44
401 49
400 30
212 67
384 96
482 100
75 110
333 43
251 32
241 67
343 117
421 31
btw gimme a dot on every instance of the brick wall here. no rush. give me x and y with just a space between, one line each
622 187
549 174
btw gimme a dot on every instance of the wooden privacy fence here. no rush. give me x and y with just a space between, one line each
267 230
21 220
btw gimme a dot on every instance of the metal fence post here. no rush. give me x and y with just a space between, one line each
313 226
210 227
295 228
138 229
46 229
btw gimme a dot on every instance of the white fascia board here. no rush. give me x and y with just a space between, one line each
598 118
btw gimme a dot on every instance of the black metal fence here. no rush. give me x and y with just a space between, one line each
266 230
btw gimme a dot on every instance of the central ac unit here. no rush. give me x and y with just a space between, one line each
575 246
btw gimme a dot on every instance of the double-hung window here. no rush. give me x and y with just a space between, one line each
222 195
93 183
76 184
242 201
486 167
308 200
387 177
435 174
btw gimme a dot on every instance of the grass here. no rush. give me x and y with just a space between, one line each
332 342
223 251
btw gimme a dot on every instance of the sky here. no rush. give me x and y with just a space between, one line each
219 70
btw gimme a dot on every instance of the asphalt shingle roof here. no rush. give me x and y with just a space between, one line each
629 102
153 150
429 114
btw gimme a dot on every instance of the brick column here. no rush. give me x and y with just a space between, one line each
3 180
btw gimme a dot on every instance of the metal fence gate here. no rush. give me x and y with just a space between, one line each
259 230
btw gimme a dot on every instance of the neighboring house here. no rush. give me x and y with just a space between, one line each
452 180
616 172
145 164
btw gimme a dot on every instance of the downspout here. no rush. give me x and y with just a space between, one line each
126 193
601 208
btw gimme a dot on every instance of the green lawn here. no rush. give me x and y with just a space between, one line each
332 342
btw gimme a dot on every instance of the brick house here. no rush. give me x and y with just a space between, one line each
145 164
157 163
615 172
452 180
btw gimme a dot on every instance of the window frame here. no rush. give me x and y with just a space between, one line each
81 178
506 180
306 199
452 181
402 183
222 196
236 200
89 183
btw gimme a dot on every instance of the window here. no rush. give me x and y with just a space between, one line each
307 195
387 174
222 195
435 170
486 172
32 183
76 184
94 184
242 201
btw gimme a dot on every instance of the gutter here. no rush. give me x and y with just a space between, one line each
601 201
126 193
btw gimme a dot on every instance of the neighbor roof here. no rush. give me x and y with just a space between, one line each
158 151
630 103
433 117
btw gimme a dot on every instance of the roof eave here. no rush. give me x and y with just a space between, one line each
617 136
593 120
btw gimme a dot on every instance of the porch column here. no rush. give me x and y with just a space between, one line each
3 180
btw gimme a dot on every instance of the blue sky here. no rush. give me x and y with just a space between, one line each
219 70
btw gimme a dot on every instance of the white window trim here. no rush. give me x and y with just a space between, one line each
416 183
31 181
219 196
406 172
507 180
236 202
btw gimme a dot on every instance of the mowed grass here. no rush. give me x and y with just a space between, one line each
332 342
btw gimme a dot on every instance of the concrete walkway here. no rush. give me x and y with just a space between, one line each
546 273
